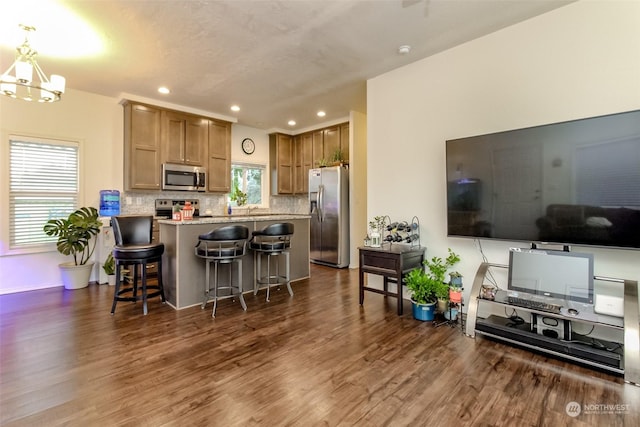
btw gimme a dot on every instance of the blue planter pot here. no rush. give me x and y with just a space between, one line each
424 312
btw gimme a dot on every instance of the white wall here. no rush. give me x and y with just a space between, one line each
95 121
581 60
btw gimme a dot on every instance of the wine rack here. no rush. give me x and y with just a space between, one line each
402 232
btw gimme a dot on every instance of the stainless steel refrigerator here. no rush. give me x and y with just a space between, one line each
329 208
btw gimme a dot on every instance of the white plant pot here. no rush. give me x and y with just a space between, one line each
75 276
111 279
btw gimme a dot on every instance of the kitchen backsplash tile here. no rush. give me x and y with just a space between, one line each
141 203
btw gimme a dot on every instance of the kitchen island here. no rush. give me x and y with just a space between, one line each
183 273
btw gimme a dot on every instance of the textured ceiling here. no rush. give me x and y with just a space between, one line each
278 60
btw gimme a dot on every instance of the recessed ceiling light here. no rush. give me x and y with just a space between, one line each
164 90
291 122
321 113
404 49
235 108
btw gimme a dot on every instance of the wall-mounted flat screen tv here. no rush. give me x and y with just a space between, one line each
556 274
575 182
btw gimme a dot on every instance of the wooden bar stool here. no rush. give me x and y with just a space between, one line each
134 247
272 241
225 245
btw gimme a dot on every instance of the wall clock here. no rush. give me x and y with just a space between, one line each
248 146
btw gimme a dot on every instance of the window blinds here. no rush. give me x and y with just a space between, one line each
43 185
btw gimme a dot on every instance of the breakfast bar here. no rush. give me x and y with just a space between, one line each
183 272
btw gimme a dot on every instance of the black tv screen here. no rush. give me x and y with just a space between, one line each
575 182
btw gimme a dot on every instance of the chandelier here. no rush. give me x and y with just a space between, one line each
22 85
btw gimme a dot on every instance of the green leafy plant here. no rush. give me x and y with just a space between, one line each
337 156
238 196
455 280
423 289
377 224
442 291
75 233
428 285
109 265
322 163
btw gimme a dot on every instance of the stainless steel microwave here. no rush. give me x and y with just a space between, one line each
183 177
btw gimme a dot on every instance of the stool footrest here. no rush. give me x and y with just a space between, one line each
140 297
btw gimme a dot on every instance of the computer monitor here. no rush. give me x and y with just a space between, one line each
552 273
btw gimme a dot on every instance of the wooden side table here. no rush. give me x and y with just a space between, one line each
392 261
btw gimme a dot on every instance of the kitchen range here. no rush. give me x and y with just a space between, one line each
164 207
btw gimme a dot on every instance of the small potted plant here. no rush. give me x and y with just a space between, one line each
377 227
109 268
442 293
337 157
239 196
423 294
76 237
455 287
428 285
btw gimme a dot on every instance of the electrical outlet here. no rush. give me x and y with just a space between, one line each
128 200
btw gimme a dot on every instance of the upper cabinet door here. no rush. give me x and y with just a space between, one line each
219 157
303 149
331 143
185 138
196 141
141 147
281 160
173 136
344 141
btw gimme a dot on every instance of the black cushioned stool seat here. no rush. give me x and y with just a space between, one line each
134 247
272 241
224 245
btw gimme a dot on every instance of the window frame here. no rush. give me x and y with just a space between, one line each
5 247
264 184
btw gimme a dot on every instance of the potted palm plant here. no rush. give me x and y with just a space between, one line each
76 237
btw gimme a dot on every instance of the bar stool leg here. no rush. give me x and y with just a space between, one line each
143 267
241 296
268 275
215 289
160 283
257 271
207 283
117 289
287 278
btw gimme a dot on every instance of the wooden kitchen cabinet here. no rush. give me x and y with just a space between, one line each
303 148
344 141
142 149
326 141
185 138
331 142
281 160
219 156
317 148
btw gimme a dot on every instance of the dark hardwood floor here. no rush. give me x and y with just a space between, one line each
317 358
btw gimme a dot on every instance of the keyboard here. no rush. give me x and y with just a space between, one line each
533 304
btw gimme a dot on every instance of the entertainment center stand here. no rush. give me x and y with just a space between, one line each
552 333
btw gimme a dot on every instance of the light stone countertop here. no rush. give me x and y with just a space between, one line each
235 218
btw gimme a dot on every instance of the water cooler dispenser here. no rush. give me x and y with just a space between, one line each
104 246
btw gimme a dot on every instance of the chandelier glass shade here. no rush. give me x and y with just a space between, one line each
22 84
